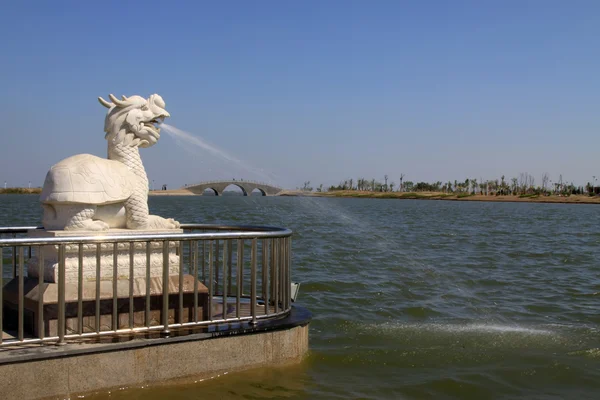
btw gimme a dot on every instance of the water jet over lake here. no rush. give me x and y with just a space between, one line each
184 139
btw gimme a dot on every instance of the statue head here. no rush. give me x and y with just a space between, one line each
133 120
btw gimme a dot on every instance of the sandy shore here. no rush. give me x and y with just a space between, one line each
574 199
20 190
175 192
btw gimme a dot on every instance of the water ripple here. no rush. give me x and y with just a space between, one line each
420 299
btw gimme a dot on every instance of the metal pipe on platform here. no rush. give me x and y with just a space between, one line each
61 295
265 274
21 311
115 280
276 246
131 257
79 288
210 279
239 274
147 310
253 282
225 253
194 257
40 310
165 289
1 292
98 266
180 247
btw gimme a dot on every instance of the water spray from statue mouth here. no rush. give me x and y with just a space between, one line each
183 137
155 124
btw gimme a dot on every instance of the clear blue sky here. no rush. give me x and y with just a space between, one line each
310 90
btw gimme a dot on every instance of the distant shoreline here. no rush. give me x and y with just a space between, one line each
572 199
20 190
173 192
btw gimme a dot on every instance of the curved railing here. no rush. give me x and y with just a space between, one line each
214 273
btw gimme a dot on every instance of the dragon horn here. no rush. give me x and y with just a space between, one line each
124 97
118 102
104 102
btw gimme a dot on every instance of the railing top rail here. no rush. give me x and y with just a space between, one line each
232 232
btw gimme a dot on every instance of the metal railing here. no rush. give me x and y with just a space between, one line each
223 274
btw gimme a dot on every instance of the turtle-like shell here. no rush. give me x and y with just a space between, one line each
88 179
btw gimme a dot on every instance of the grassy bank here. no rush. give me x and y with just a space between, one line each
20 190
576 199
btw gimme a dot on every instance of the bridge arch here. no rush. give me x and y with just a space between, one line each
215 191
258 190
239 186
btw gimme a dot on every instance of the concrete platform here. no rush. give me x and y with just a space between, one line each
35 372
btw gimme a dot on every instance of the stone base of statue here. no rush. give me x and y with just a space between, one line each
90 256
47 294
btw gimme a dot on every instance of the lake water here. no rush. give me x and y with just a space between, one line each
416 299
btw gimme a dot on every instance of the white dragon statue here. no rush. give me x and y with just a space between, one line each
85 192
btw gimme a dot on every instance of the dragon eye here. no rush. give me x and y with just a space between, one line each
145 108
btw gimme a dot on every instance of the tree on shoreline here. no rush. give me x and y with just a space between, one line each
523 185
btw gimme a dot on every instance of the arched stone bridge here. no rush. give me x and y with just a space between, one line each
247 187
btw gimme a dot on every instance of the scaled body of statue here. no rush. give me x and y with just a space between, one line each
85 192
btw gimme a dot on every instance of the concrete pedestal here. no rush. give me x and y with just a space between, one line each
48 294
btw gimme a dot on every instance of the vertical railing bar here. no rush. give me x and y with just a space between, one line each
98 265
115 279
279 273
14 257
242 269
1 290
40 321
29 252
229 264
61 294
80 289
131 276
272 268
21 317
180 245
265 276
148 265
225 257
238 275
216 267
194 256
253 281
210 279
165 288
276 277
282 273
204 262
289 271
288 280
